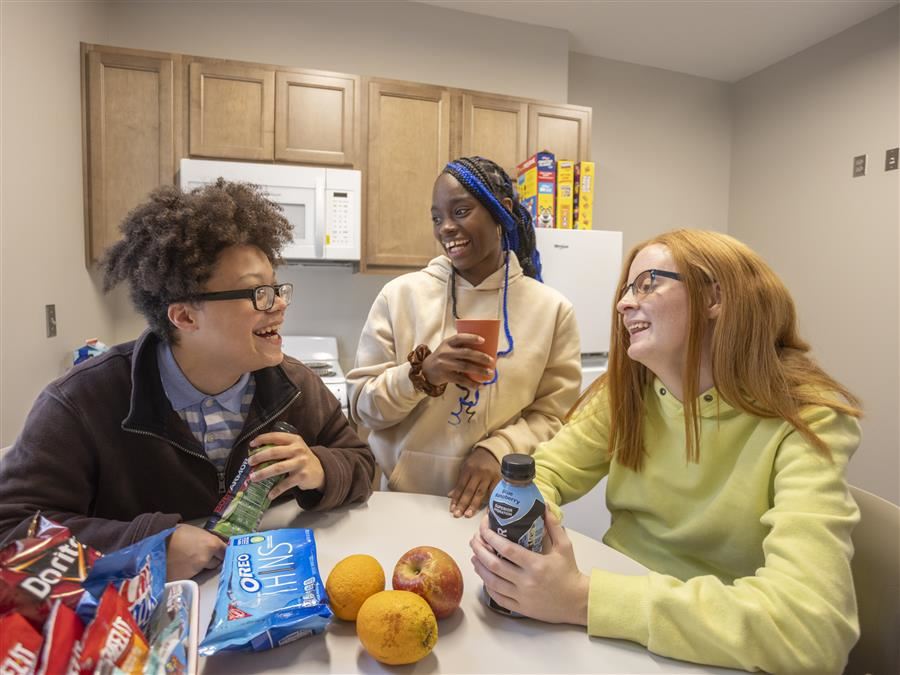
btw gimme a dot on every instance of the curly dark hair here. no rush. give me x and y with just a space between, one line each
172 241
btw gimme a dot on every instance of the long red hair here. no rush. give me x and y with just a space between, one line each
760 364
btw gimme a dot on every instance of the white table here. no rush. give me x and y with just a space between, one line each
474 639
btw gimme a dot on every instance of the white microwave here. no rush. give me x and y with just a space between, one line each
322 205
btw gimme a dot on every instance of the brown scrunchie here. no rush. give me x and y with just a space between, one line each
416 357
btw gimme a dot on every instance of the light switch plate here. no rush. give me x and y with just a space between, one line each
859 166
890 159
50 311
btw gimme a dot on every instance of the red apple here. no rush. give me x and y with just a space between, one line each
433 574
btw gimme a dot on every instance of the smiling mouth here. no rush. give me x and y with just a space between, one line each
456 247
637 327
269 333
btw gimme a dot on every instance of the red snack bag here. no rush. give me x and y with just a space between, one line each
113 637
62 631
48 564
19 645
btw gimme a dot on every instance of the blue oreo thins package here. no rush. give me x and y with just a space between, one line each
270 593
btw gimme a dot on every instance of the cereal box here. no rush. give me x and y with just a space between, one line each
565 189
584 195
537 187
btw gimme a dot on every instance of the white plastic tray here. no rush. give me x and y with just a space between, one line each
191 593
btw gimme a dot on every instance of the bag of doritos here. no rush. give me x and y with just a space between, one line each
49 564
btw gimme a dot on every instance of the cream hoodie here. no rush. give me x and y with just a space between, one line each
412 435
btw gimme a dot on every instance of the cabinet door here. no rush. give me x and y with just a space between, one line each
496 128
315 118
564 130
409 145
130 138
232 111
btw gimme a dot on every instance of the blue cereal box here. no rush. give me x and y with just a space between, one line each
537 187
270 593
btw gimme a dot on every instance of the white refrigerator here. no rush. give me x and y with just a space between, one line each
584 266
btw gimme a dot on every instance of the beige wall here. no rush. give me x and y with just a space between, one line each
662 145
41 203
832 238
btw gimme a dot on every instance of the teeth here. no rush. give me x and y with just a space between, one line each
267 332
455 244
638 326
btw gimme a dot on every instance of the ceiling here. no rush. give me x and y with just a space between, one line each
723 40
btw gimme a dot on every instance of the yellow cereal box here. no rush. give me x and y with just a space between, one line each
584 195
565 193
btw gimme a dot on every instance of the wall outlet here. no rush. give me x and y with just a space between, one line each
890 159
859 166
50 311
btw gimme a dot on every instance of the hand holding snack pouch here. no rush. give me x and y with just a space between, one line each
241 509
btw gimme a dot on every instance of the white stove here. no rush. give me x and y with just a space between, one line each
319 354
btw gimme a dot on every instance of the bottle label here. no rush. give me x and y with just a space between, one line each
517 513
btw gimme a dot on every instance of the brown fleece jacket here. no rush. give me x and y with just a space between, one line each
103 453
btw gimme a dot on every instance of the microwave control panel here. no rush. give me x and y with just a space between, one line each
337 219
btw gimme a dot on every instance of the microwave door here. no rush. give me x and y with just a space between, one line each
319 232
298 206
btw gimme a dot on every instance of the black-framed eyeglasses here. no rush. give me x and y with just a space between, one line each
645 283
263 297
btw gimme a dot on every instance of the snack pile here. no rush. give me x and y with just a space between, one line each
66 609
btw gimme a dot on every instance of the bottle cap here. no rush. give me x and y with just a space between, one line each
285 427
517 467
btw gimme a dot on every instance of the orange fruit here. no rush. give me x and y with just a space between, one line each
351 582
397 627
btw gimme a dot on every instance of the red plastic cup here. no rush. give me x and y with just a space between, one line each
489 329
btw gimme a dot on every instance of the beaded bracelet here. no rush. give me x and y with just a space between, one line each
420 383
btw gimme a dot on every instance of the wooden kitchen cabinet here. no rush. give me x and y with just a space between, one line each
144 111
495 127
564 130
316 118
232 111
408 146
131 135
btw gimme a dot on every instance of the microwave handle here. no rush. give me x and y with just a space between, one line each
319 230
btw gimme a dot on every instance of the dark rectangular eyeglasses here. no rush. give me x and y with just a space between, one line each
263 297
645 283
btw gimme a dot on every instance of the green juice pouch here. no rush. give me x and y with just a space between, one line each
243 506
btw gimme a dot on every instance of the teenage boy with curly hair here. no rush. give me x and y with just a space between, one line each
148 435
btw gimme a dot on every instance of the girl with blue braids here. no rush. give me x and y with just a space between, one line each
441 413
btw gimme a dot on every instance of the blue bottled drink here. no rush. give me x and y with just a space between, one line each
516 509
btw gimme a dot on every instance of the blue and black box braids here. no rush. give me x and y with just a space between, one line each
490 184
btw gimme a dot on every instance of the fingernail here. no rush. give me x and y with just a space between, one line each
469 513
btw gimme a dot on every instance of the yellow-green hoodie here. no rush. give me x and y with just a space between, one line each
749 549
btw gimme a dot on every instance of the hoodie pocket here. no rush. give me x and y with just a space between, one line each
425 473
